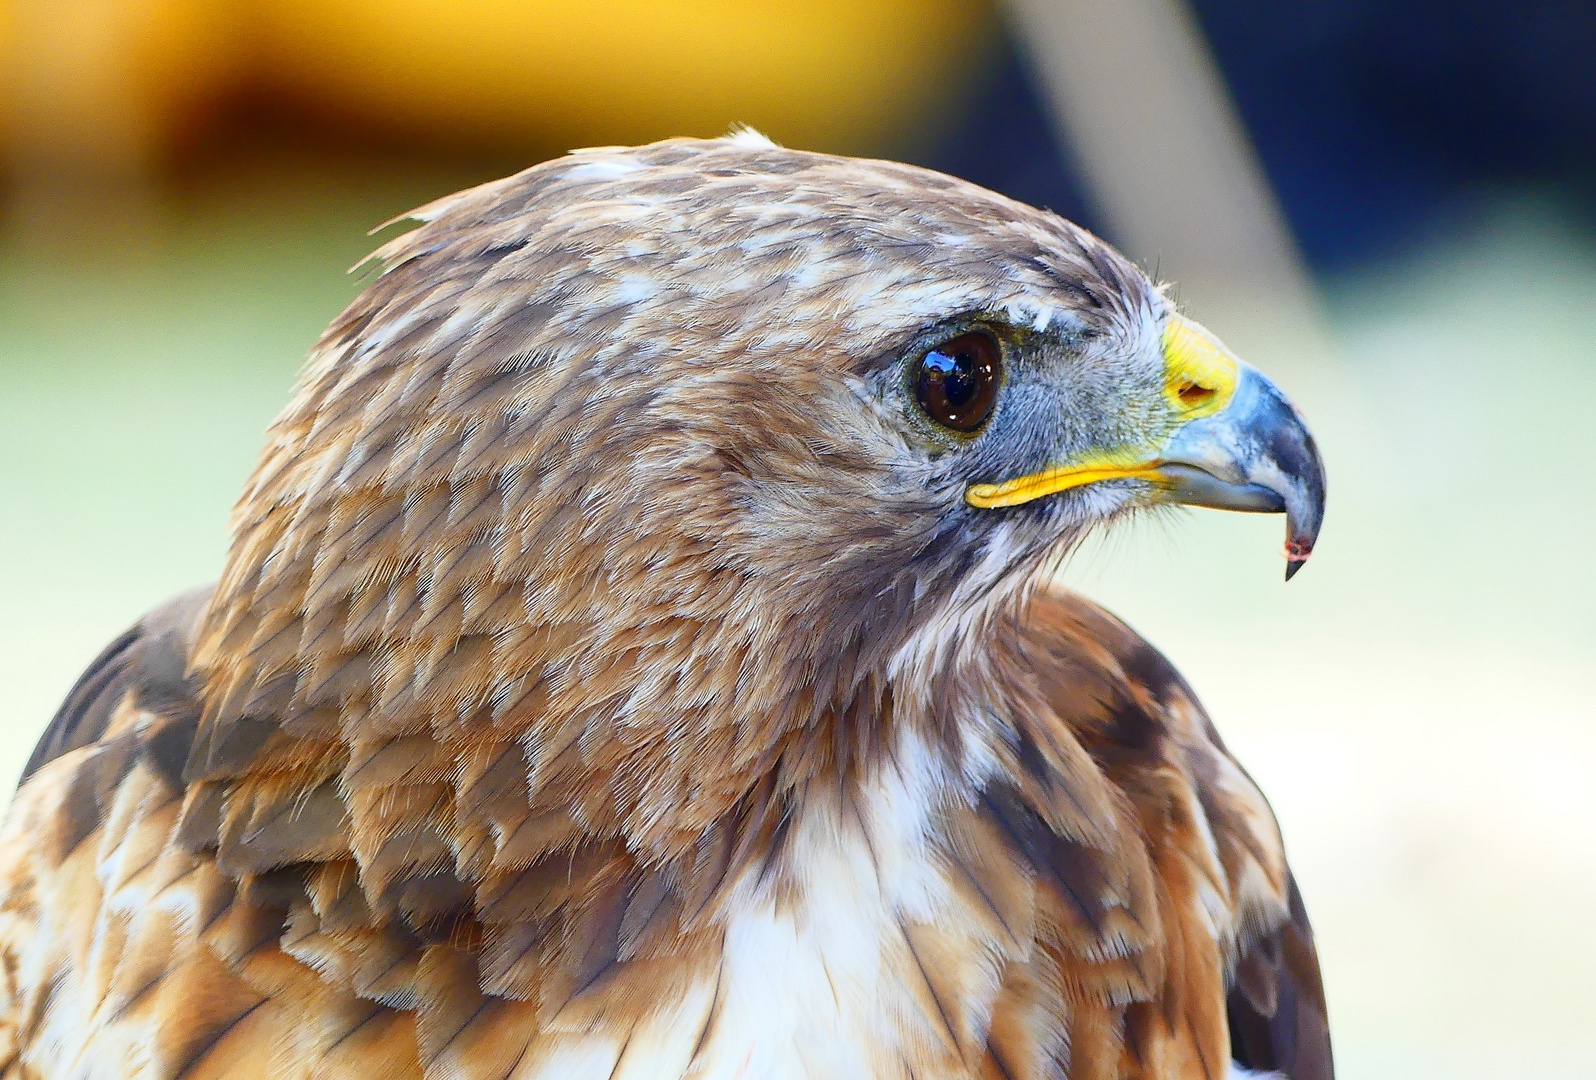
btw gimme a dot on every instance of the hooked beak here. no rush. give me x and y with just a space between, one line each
1242 446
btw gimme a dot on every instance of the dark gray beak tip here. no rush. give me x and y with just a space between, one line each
1300 538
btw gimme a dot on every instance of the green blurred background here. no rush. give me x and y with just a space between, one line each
1407 251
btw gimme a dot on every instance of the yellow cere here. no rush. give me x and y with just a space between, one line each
1199 372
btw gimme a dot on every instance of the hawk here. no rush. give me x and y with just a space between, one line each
637 657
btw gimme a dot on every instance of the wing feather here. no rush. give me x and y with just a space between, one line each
150 656
1178 878
1278 1021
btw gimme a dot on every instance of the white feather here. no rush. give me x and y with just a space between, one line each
746 137
815 987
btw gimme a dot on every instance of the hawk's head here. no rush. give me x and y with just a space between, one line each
709 419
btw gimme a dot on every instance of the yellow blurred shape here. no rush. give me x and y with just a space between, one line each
826 71
102 85
106 84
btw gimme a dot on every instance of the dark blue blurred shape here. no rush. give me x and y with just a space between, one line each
1005 141
1373 118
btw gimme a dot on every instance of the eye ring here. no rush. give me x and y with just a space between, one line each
956 381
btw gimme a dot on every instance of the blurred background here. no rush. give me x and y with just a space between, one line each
1388 206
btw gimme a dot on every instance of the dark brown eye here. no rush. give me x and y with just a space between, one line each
958 381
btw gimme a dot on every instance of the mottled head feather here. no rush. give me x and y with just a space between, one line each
605 461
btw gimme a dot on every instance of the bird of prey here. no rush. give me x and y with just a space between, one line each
637 658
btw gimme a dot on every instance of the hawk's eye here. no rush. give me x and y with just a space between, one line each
958 380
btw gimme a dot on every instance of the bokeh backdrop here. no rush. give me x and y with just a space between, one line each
1386 206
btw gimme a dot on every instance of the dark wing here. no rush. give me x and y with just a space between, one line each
84 714
1277 1011
149 659
1123 703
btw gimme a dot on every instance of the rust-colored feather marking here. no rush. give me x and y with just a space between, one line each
605 682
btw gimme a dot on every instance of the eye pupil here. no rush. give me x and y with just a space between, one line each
958 381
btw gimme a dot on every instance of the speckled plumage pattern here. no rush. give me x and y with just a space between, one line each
609 680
